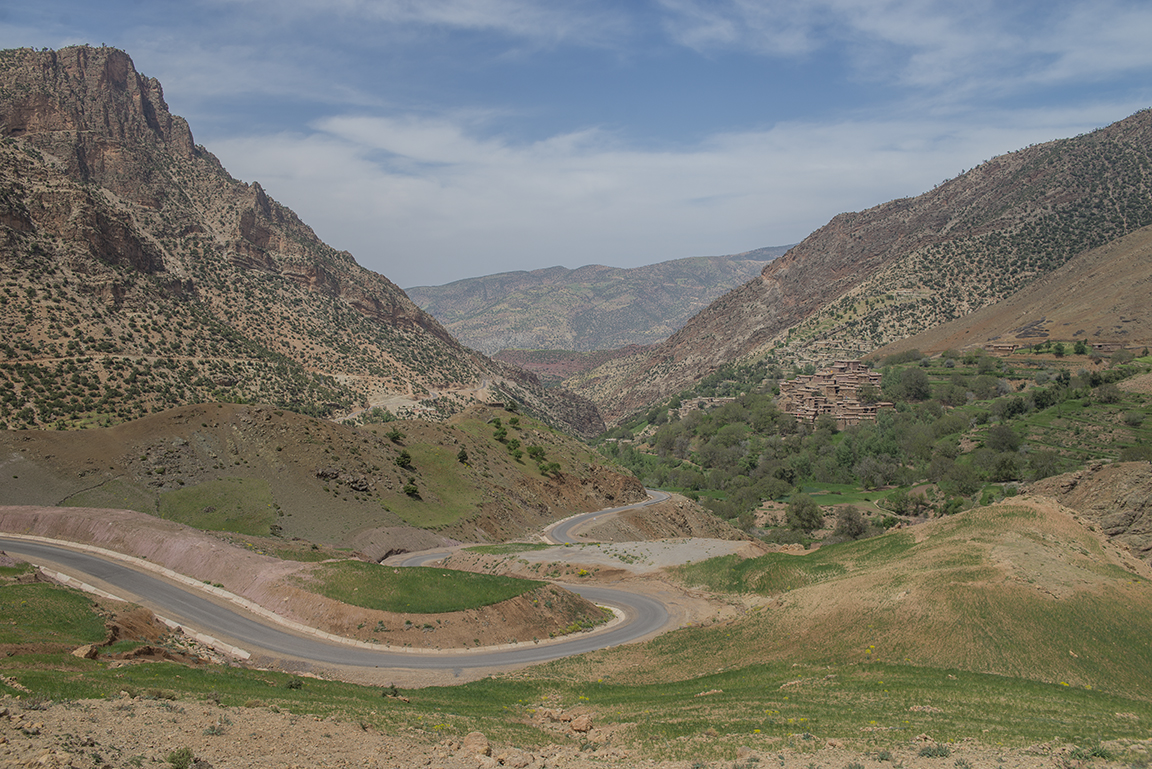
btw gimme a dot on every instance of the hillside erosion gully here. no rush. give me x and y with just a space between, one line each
250 631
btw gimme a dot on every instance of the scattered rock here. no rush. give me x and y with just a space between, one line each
517 759
582 723
476 744
86 652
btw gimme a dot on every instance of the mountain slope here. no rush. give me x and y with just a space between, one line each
139 275
590 308
263 471
1020 589
868 278
1099 296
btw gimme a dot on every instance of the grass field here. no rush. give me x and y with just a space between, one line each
240 505
418 590
43 613
508 548
870 707
116 493
439 476
1013 589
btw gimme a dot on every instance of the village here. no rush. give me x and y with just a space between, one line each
835 391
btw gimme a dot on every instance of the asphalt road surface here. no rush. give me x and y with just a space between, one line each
642 616
564 532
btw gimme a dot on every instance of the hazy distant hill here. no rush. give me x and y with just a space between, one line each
139 275
590 308
869 278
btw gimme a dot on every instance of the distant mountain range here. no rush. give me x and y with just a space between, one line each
138 275
587 309
870 278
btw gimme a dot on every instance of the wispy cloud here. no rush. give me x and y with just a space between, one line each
930 43
427 200
584 21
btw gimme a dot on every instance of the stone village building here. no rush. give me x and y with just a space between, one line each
832 391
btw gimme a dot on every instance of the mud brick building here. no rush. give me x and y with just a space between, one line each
834 391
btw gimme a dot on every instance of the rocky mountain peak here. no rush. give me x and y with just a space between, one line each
125 238
95 92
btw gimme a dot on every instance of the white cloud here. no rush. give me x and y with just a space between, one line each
430 201
974 45
537 20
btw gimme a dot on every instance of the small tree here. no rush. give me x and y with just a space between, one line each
1002 438
804 514
403 459
462 456
850 523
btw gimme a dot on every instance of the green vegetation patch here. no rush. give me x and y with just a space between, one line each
508 548
418 590
443 495
240 505
116 494
780 572
43 613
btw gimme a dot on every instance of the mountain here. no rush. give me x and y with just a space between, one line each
1102 298
138 275
587 309
866 279
266 472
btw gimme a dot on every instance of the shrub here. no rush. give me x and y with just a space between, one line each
935 751
1002 438
1108 393
181 758
804 514
850 523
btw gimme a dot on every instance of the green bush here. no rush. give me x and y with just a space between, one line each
804 514
181 758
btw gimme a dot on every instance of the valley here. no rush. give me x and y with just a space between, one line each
636 535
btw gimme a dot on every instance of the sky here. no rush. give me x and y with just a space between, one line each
443 139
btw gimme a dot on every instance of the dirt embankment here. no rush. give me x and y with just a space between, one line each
672 518
1116 498
279 586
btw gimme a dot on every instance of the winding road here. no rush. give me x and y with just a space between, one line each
642 615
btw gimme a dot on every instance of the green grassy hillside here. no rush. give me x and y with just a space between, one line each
262 471
1015 589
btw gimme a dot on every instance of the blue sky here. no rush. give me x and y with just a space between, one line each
443 139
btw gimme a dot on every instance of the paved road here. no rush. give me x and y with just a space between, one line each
642 616
561 533
564 532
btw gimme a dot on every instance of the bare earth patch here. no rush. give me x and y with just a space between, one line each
134 731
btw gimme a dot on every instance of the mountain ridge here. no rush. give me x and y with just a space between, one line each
870 277
589 308
139 270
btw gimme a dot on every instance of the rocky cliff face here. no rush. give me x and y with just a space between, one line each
867 278
139 275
